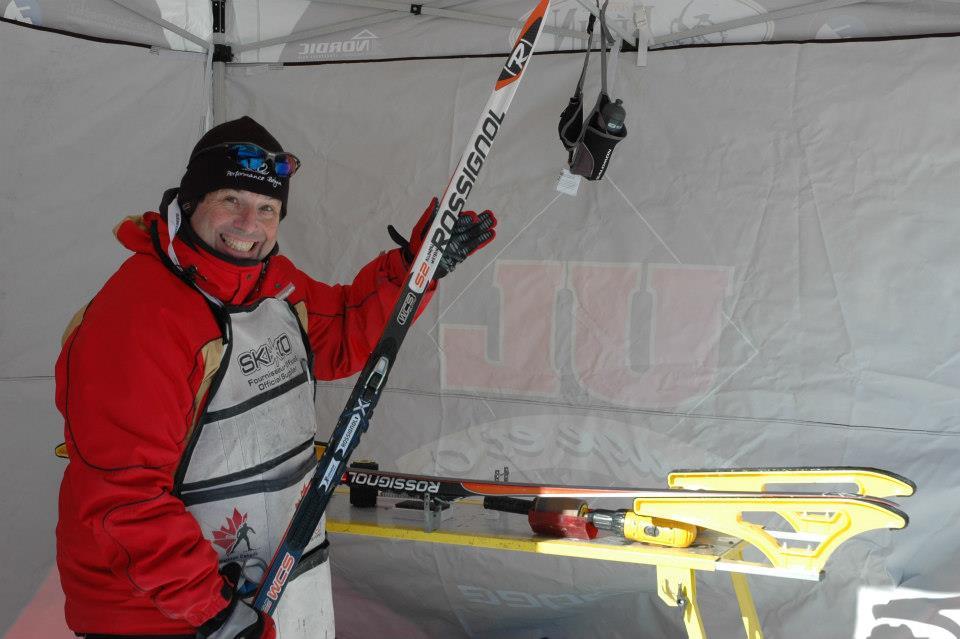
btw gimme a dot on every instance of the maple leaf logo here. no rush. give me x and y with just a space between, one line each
226 537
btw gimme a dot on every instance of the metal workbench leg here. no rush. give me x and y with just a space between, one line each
748 611
677 587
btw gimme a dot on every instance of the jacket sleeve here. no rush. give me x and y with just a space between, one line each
127 379
345 321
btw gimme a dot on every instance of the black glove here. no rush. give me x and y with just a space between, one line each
238 620
471 233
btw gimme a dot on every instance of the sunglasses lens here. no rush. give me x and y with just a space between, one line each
286 164
249 156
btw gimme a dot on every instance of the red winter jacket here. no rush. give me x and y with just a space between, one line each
131 381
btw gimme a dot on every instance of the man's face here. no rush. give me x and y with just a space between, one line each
240 224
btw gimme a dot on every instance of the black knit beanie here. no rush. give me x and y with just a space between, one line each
214 170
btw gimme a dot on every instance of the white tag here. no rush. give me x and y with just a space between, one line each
644 35
614 61
568 183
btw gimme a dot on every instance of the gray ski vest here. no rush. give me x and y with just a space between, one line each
251 453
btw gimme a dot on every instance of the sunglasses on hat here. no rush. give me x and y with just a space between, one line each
252 157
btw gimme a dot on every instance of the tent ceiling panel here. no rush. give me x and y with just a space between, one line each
335 30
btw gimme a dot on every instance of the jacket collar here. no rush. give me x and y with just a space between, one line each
227 281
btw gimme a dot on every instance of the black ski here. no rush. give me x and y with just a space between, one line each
451 488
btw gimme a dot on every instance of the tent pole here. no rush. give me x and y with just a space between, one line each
166 24
219 92
219 67
219 110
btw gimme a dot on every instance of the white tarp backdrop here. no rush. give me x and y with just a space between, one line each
768 276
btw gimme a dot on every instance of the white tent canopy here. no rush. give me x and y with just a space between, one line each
296 30
766 277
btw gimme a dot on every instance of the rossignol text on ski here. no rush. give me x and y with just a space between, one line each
355 418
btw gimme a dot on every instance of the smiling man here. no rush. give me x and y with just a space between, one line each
186 387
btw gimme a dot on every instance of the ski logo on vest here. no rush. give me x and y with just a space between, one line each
235 531
265 355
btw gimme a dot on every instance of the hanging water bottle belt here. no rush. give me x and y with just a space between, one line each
590 143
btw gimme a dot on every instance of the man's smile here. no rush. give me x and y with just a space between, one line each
238 246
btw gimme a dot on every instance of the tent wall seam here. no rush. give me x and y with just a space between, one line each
80 36
610 408
343 26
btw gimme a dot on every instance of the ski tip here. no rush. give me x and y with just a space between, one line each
870 481
895 510
539 11
523 48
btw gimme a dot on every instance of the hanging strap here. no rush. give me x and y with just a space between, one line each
586 58
589 143
604 42
570 127
174 220
604 36
603 46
